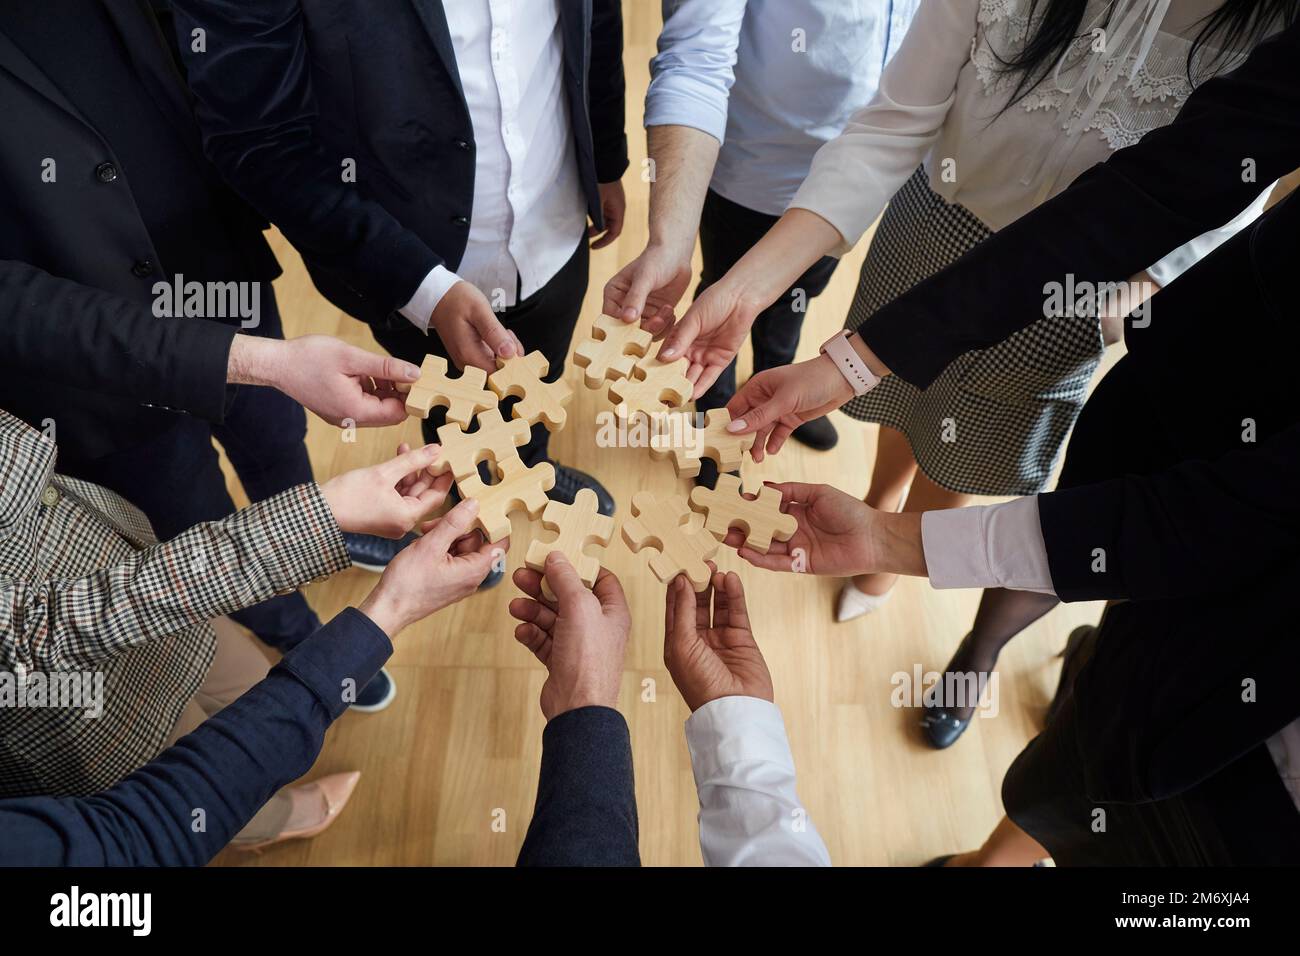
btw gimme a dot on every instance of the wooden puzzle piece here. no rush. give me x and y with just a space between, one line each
612 350
687 444
577 527
463 396
521 377
759 518
651 384
665 524
495 440
520 488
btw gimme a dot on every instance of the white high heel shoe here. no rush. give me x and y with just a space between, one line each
853 603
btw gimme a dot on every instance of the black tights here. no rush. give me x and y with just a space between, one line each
1001 616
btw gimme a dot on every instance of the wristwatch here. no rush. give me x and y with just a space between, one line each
850 364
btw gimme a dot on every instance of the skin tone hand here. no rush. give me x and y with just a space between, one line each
709 648
470 330
580 637
839 535
651 285
390 498
337 381
613 207
711 332
443 566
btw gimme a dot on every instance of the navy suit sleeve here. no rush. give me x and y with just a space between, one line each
72 334
586 801
1115 220
227 769
608 91
255 104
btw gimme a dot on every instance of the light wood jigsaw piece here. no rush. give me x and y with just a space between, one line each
464 396
688 445
665 524
521 377
519 488
495 440
577 527
612 350
759 518
651 384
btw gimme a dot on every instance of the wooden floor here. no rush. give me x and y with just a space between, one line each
460 745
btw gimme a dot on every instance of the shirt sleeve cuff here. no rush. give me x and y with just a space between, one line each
991 546
340 659
732 731
435 285
672 107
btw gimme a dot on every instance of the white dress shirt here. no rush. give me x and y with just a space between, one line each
750 814
1002 546
771 80
529 212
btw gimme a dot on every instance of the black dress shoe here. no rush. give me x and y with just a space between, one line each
818 434
569 481
372 552
942 728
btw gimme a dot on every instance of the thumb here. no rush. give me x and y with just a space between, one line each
640 289
491 331
751 409
564 580
451 526
384 368
683 334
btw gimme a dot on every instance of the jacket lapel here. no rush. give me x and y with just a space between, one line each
434 19
16 62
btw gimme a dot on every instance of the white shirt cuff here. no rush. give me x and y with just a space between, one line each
736 730
993 546
435 285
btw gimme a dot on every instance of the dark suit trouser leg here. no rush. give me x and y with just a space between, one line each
728 231
544 323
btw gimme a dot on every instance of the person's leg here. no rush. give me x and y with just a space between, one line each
1007 845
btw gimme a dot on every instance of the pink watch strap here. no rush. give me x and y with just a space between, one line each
849 363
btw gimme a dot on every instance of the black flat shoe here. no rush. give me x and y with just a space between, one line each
569 481
941 728
818 434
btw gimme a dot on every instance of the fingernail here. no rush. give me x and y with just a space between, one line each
471 505
737 426
667 353
506 349
412 372
629 314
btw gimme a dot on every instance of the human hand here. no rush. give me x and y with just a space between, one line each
444 565
339 382
775 402
470 330
712 655
839 535
613 209
580 636
649 287
712 331
389 498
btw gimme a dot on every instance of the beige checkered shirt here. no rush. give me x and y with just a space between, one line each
86 588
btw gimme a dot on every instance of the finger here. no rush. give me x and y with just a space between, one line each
530 582
563 579
796 492
408 463
638 291
768 562
532 612
777 439
384 368
430 493
609 236
683 630
682 336
454 524
703 600
708 376
535 639
489 328
721 607
737 608
609 591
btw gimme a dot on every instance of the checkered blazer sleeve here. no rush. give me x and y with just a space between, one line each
214 568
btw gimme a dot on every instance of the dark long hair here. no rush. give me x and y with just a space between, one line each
1235 25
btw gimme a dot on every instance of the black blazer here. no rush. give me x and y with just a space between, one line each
288 90
79 343
585 813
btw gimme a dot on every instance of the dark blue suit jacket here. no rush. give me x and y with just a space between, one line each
288 90
234 762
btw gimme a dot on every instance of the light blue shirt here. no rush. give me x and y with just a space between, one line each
772 80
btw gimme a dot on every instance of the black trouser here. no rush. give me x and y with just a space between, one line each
728 231
544 323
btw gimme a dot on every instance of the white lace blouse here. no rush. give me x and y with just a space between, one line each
940 97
